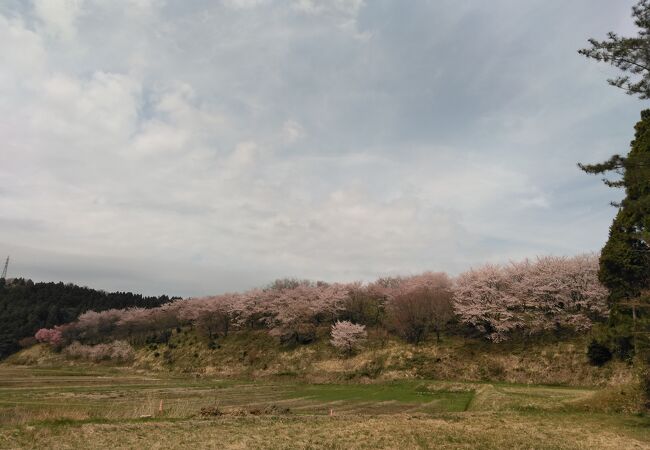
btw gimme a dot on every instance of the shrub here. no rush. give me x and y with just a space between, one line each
211 411
373 368
598 354
645 387
27 342
623 347
119 351
159 338
302 334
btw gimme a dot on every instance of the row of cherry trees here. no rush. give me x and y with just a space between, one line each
531 297
497 301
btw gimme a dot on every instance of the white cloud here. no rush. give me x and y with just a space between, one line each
244 155
22 49
104 105
292 131
345 7
59 16
207 149
244 4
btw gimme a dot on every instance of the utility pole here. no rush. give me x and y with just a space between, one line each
4 271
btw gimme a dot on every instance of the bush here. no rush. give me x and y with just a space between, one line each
303 334
623 347
598 354
373 368
645 386
211 411
27 342
159 338
493 370
119 351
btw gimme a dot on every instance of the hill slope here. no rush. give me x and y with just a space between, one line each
256 355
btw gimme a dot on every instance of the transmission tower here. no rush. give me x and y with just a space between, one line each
4 271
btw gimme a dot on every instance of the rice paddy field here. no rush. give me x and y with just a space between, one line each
113 408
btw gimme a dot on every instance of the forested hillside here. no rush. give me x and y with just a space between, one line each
26 306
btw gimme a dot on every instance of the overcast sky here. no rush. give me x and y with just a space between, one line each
193 147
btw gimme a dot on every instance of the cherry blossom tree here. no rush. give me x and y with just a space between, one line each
52 336
529 297
294 312
348 337
212 316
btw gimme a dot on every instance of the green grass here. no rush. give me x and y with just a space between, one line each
398 392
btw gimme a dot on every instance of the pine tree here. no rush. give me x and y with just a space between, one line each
629 54
625 259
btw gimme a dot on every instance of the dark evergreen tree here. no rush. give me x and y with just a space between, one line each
625 259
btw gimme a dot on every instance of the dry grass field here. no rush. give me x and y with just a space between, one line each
119 408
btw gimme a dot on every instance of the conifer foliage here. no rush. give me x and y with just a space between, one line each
629 54
625 259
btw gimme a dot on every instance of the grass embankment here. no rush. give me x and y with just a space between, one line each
256 355
111 408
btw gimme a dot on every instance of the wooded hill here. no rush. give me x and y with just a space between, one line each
26 306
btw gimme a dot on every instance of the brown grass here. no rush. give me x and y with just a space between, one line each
256 356
467 431
64 408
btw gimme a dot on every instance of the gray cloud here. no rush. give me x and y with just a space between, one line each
197 147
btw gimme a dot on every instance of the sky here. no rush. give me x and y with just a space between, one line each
196 147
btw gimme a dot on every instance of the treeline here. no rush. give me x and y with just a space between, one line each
525 298
25 307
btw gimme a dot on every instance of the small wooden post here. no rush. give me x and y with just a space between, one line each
160 407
